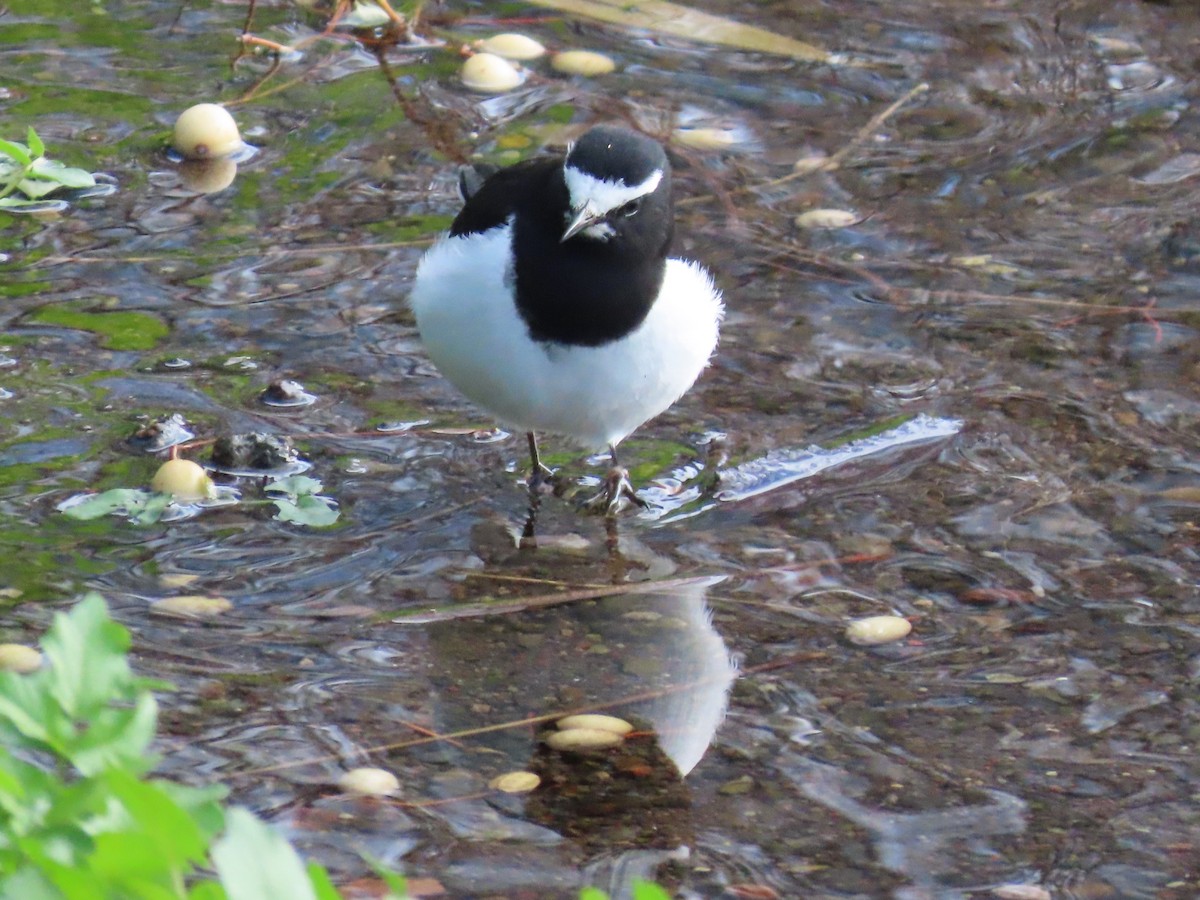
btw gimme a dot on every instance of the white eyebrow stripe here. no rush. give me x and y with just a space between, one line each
604 194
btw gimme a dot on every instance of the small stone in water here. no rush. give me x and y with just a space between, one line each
582 740
706 138
582 62
19 658
192 605
827 218
252 450
369 781
161 434
515 782
489 74
285 393
512 46
875 630
595 720
207 131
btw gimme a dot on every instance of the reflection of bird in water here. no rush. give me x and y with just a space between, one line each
659 647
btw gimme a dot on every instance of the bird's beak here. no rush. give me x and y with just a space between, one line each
583 218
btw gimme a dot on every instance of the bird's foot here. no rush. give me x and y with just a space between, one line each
616 494
544 480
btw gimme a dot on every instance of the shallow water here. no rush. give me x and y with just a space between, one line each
976 408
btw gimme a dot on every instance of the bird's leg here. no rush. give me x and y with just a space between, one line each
616 491
541 476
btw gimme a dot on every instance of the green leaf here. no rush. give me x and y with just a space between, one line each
88 669
63 175
36 147
19 152
397 886
97 505
14 202
254 861
592 893
35 188
142 507
159 840
296 485
324 887
315 511
648 890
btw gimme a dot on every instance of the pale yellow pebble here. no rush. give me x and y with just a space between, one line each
582 62
581 740
196 606
511 46
807 164
706 138
19 658
489 74
595 720
183 480
369 781
877 630
206 131
515 782
827 218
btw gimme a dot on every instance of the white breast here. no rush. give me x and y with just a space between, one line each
595 395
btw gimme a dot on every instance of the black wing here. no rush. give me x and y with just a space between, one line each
492 198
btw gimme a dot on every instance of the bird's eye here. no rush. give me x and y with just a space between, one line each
631 208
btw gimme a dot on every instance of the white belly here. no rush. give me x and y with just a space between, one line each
595 395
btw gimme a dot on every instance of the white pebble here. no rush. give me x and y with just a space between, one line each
875 630
489 74
515 782
582 62
594 720
581 740
207 131
19 658
369 781
706 138
195 606
827 218
512 46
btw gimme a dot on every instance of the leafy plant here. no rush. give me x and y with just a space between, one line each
80 819
27 176
299 501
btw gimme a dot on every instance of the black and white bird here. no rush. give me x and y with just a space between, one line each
553 304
